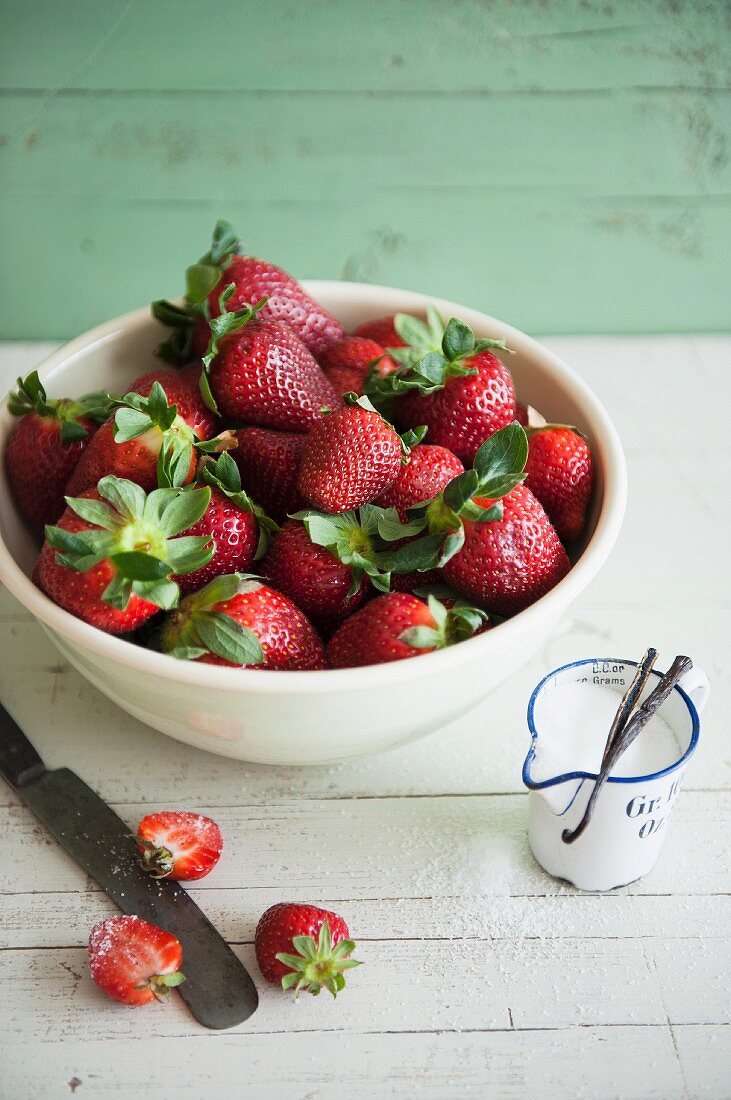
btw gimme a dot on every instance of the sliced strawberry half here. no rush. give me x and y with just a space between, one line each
133 961
178 844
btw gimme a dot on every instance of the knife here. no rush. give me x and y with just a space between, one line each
217 988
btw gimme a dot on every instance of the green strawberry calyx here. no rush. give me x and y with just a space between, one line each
498 467
361 540
453 624
31 396
200 279
434 353
223 474
226 323
136 415
199 627
317 965
137 533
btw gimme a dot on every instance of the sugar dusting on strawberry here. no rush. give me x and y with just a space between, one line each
133 961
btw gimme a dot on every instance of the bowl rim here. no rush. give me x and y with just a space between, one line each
326 681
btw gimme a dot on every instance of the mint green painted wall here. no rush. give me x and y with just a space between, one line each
563 165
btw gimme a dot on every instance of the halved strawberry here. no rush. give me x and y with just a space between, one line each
238 621
178 844
114 555
133 961
46 446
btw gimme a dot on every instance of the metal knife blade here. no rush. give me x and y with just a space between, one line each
217 989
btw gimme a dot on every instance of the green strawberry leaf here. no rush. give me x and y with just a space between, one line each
461 489
390 527
458 340
164 593
129 424
71 431
219 590
422 637
501 459
118 592
96 512
126 497
228 639
135 565
186 652
182 510
200 280
418 555
413 331
189 553
224 244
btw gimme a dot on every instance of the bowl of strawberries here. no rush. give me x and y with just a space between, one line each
293 523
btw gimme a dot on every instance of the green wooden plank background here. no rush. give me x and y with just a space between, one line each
564 165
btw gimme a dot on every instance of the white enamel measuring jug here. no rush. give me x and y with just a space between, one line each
625 834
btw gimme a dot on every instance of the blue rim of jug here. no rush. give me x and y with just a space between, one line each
533 785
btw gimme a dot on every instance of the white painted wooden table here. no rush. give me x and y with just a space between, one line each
483 975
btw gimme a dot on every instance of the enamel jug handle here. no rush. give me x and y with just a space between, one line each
696 684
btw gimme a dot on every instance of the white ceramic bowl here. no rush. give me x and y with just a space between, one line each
315 717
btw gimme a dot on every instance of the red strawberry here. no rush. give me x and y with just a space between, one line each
449 381
182 389
560 474
382 330
303 947
350 457
46 446
237 526
318 582
426 471
252 280
397 626
269 465
117 554
509 563
347 362
179 845
238 621
145 442
132 961
259 371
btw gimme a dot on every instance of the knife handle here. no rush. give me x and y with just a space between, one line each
19 761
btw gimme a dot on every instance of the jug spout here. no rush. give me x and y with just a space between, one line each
560 796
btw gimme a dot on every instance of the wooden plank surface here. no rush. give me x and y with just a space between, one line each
564 166
483 975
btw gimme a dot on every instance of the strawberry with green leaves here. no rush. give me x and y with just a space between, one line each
449 381
238 621
382 330
325 562
181 389
303 947
560 473
259 371
488 533
348 361
146 442
351 456
398 626
113 558
426 470
239 528
252 280
269 463
46 446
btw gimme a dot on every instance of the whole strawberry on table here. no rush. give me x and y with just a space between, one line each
284 496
